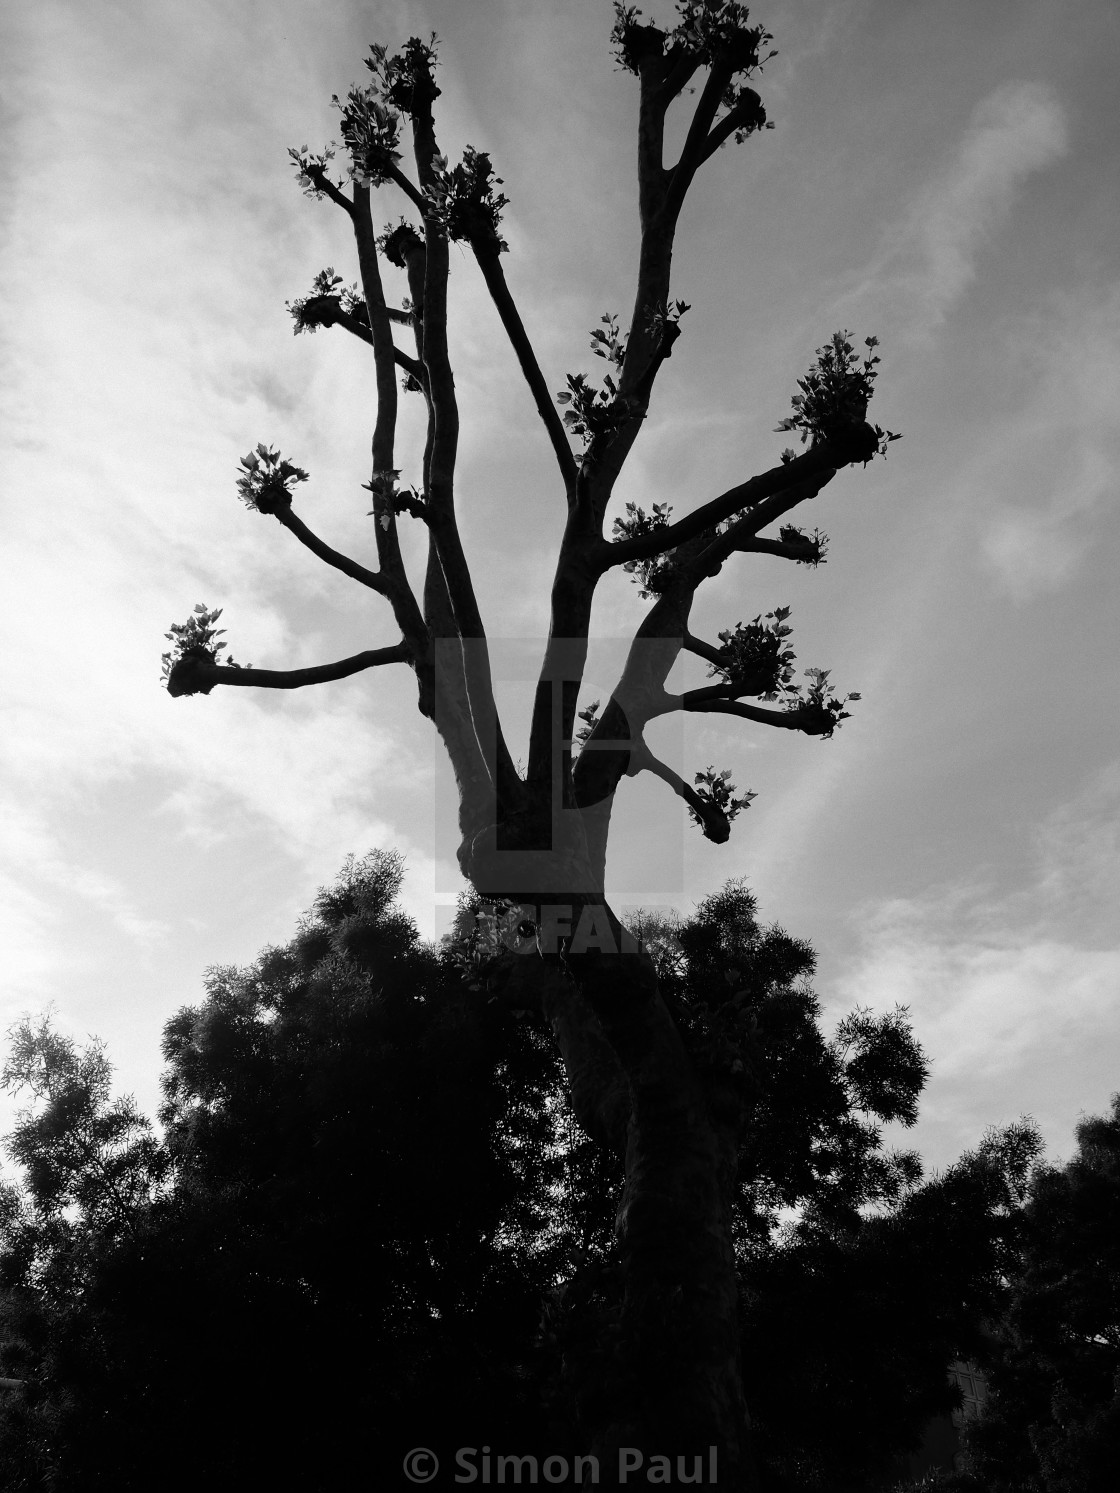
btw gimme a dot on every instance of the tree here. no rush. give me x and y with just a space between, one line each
536 839
348 1244
373 1224
1052 1423
91 1167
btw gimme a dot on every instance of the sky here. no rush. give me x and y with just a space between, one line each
943 177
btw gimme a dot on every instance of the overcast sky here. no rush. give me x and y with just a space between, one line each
942 175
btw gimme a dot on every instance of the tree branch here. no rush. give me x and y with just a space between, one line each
296 526
741 536
714 821
413 193
402 359
708 651
805 475
693 154
197 673
813 720
323 184
490 265
441 456
397 587
695 699
747 112
803 550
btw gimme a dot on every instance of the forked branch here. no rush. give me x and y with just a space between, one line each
793 482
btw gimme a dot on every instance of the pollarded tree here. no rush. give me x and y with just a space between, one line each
537 838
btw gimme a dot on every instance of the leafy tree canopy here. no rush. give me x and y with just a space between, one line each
372 1221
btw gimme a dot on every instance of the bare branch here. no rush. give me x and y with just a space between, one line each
695 699
384 432
440 463
296 526
705 650
490 265
397 587
196 673
360 329
813 720
413 193
802 550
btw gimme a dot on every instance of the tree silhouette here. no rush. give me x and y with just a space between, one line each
536 839
1052 1422
373 1224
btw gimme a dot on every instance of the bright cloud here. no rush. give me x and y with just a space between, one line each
1015 997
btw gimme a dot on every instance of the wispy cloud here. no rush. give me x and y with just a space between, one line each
1054 464
930 256
37 876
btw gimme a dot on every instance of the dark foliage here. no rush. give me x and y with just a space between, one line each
373 1224
1052 1423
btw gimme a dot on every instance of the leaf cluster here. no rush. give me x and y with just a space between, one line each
607 342
266 480
398 241
716 788
715 33
590 719
835 393
757 653
197 637
483 931
389 500
595 413
404 81
661 318
329 295
816 698
790 534
311 169
371 134
649 573
463 200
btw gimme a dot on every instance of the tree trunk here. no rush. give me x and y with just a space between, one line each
679 1390
651 1365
